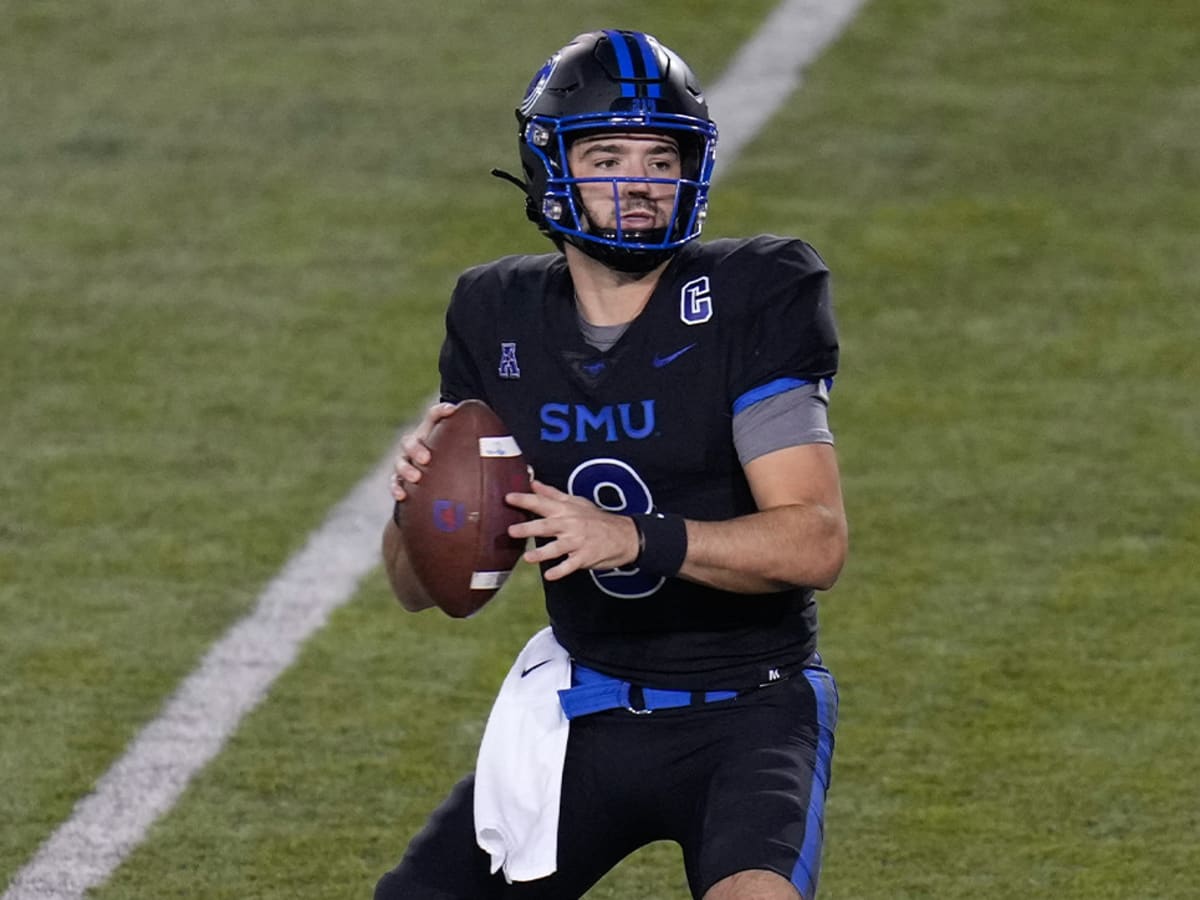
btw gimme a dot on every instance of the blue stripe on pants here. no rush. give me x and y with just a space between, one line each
808 867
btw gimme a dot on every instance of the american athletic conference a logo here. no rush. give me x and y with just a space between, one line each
508 360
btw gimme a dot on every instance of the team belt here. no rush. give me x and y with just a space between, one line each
593 692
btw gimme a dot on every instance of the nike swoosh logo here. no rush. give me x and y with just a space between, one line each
660 361
534 666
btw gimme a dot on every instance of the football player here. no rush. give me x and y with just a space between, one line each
672 398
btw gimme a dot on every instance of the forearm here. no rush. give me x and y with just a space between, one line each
772 550
399 571
796 539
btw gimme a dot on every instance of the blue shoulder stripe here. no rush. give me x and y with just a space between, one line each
770 389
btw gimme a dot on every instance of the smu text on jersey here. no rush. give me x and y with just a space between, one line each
611 422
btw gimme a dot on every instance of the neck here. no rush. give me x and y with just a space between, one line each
607 296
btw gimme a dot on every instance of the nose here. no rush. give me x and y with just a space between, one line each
637 188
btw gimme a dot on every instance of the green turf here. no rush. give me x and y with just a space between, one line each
1002 193
227 232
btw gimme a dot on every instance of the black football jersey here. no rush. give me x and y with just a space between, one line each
646 426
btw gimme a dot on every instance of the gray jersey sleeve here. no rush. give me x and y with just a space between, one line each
798 416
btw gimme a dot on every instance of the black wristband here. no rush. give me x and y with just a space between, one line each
662 543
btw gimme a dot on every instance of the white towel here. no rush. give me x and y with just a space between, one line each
518 778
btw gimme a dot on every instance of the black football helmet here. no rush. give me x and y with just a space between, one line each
621 82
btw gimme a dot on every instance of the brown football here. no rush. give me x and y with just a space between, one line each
454 520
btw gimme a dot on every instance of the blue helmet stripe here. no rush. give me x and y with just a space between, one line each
650 62
624 62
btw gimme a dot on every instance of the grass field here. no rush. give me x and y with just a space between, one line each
227 234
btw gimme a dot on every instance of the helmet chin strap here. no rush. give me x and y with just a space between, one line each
633 262
646 236
624 259
531 205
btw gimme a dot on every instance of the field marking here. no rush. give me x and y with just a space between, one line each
238 671
205 710
768 69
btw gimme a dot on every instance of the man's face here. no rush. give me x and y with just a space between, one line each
642 206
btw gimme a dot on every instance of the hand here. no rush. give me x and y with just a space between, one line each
583 535
414 451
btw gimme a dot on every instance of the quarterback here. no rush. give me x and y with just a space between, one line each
672 396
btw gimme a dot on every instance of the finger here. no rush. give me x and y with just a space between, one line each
415 450
535 528
405 471
544 553
546 490
435 414
413 443
562 570
530 502
397 490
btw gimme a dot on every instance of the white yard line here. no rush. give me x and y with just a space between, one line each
236 674
205 710
768 69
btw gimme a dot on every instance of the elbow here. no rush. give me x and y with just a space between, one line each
828 557
826 579
832 558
